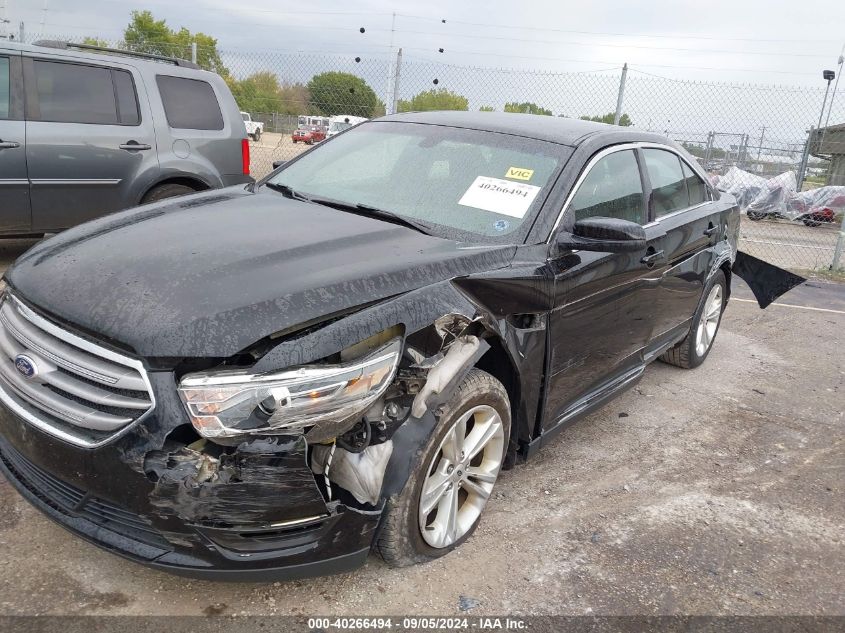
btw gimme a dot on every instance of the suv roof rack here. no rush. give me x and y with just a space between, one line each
117 51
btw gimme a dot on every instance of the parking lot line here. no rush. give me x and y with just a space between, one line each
789 305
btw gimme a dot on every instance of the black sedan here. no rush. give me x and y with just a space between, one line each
270 381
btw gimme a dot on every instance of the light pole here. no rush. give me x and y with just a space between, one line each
829 76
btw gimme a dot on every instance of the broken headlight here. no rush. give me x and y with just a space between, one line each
233 403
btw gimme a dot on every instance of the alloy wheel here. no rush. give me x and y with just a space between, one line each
460 476
709 321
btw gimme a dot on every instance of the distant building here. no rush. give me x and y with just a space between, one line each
829 143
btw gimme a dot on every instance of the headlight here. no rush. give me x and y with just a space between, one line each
230 404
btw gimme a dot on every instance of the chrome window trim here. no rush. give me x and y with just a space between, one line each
92 348
621 148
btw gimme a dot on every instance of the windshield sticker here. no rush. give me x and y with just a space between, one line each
500 196
501 225
519 173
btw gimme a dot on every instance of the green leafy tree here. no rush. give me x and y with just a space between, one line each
343 93
526 108
624 120
262 92
440 99
145 34
486 109
96 41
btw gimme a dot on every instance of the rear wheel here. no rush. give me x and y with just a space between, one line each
755 215
695 347
448 489
166 191
256 136
809 221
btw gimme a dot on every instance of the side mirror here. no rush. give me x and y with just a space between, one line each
605 235
278 163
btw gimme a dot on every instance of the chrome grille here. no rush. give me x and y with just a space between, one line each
65 384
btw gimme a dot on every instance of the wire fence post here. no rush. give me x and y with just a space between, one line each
840 243
708 150
805 156
394 100
22 34
621 96
194 52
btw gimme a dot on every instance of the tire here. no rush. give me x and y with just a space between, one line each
688 353
755 215
401 541
166 191
809 221
257 136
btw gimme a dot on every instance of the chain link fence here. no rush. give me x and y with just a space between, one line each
779 149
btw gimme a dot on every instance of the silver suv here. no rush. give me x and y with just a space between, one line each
85 131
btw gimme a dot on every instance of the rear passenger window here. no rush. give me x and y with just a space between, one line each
695 185
127 101
611 189
668 188
5 92
71 93
189 103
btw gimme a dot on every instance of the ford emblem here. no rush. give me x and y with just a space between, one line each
26 366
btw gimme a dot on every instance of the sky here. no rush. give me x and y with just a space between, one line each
756 41
752 41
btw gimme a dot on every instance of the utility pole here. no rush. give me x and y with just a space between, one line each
21 33
395 100
620 97
762 134
194 52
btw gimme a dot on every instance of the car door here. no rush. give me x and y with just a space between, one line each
90 139
686 224
14 185
603 302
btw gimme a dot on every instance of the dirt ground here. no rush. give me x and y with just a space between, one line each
713 491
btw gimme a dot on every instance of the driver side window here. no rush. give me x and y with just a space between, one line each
611 189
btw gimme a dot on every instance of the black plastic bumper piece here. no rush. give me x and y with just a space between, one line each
124 534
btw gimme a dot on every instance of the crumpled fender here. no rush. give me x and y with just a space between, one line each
767 282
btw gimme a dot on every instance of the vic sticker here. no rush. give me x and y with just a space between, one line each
500 196
519 173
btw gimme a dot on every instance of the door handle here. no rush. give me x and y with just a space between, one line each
651 258
711 230
9 145
134 145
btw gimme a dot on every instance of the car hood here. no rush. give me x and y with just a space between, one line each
210 274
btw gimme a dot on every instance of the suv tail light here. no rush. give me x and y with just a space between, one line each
245 155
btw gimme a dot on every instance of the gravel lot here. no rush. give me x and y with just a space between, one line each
714 491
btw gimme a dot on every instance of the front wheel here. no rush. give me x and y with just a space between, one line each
755 215
695 347
442 502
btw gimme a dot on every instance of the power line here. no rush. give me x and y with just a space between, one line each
617 34
593 45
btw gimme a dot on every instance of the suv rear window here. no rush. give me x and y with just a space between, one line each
75 93
189 103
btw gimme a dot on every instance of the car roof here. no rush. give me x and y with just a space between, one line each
562 130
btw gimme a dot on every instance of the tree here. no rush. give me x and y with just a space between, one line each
343 93
440 99
96 41
624 120
145 34
526 108
486 109
262 92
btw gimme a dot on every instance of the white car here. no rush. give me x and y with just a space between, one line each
343 122
254 129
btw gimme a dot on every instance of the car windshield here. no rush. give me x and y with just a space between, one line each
245 116
469 185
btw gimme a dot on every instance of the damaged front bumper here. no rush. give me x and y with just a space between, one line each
257 514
